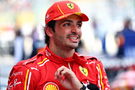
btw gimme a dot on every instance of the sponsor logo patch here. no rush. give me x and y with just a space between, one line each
51 86
15 83
70 5
84 71
17 73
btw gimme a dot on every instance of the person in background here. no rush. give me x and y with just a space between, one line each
125 40
18 46
58 66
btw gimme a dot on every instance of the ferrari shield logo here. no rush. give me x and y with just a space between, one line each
84 71
70 5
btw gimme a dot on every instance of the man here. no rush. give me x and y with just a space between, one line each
125 40
58 66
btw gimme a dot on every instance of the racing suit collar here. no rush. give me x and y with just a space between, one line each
57 59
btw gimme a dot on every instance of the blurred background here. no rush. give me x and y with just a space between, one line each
109 35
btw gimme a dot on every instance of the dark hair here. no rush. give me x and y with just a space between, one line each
127 23
50 24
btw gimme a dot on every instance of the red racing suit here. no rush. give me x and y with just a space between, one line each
38 72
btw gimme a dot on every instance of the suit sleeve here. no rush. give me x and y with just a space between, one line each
102 77
21 78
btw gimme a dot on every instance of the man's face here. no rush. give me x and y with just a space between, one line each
68 32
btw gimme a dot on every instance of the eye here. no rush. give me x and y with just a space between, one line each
79 25
66 24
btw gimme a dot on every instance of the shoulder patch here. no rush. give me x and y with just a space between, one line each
91 58
41 63
87 57
29 61
34 68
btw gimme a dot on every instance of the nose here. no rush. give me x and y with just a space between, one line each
75 29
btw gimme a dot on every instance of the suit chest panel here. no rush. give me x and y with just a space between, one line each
84 74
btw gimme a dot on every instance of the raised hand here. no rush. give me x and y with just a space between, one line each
67 78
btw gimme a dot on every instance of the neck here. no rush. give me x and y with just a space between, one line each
62 52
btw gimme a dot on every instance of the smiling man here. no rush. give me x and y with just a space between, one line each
66 36
58 66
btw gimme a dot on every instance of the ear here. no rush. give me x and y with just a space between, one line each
49 31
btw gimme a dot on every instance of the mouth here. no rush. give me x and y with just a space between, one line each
74 38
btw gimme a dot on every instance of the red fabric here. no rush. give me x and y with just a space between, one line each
62 9
38 72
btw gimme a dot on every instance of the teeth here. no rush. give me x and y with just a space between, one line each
73 38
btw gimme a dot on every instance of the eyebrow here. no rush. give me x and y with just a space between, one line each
71 21
67 21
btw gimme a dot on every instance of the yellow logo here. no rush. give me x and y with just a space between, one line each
50 86
83 70
70 5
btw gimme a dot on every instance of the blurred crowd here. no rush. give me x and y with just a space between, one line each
109 37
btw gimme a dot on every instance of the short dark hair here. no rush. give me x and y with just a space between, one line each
50 24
